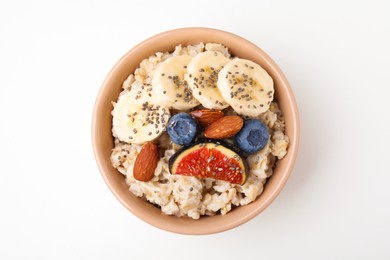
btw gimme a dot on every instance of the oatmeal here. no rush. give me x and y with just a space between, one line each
174 100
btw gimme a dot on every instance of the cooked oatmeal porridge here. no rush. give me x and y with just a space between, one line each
169 88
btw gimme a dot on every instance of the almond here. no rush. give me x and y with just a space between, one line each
224 127
206 116
146 162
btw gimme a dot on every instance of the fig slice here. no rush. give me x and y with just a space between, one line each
209 160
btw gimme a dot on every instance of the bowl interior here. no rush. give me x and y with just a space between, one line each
103 141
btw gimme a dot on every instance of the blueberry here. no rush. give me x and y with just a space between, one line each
182 129
253 136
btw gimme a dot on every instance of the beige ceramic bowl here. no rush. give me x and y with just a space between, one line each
103 141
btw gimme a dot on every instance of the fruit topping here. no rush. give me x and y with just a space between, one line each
146 162
169 85
209 160
253 136
206 116
182 129
246 87
224 127
202 77
137 119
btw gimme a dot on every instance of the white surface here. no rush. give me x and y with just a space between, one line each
54 57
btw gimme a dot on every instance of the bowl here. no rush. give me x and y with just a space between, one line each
102 139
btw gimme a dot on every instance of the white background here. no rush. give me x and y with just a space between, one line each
54 55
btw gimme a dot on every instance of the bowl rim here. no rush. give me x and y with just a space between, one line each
293 148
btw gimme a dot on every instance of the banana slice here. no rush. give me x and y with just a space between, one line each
169 85
202 78
246 86
137 120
